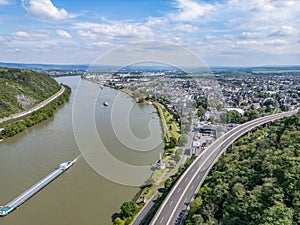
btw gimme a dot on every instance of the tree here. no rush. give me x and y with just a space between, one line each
212 118
201 102
129 209
173 142
182 139
233 116
252 114
256 182
195 220
283 108
239 190
119 221
178 154
278 214
168 183
269 102
201 111
141 100
196 204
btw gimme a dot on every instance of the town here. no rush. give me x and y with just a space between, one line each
209 103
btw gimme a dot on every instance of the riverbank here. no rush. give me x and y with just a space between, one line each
170 135
169 124
36 151
32 117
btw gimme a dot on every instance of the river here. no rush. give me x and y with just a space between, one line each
79 196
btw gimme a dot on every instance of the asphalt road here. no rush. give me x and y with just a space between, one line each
174 207
35 108
144 211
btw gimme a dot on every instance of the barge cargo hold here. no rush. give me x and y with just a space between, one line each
15 203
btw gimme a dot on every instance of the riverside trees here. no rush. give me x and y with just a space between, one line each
36 117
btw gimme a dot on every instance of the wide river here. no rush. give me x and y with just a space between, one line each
80 196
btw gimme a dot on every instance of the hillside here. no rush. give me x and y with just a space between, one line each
22 89
256 182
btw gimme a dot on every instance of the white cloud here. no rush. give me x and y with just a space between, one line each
21 34
271 5
261 5
4 2
189 10
187 28
285 30
239 28
257 14
87 34
93 30
63 34
99 44
157 21
252 34
85 25
37 35
33 44
45 10
210 37
123 30
247 43
276 42
35 40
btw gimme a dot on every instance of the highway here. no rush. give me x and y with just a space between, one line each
174 207
35 108
144 211
150 203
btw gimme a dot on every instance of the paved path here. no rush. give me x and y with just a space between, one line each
144 211
35 108
140 216
162 116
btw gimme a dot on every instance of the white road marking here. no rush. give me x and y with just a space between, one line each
161 219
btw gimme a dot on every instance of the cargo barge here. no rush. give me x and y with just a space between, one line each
15 203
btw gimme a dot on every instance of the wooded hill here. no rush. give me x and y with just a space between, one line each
22 89
256 182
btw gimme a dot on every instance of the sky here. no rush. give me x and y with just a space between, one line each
220 32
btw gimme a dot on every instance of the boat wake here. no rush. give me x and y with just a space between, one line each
78 157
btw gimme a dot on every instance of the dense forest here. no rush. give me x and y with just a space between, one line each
256 182
22 89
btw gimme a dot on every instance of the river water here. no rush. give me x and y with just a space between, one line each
80 195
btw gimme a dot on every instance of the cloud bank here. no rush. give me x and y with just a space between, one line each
45 10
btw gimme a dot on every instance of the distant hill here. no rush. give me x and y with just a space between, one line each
154 68
44 66
21 89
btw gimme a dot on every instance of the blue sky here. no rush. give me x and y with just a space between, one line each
221 32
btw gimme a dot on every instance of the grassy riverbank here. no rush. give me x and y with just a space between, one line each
169 124
159 178
36 117
23 89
